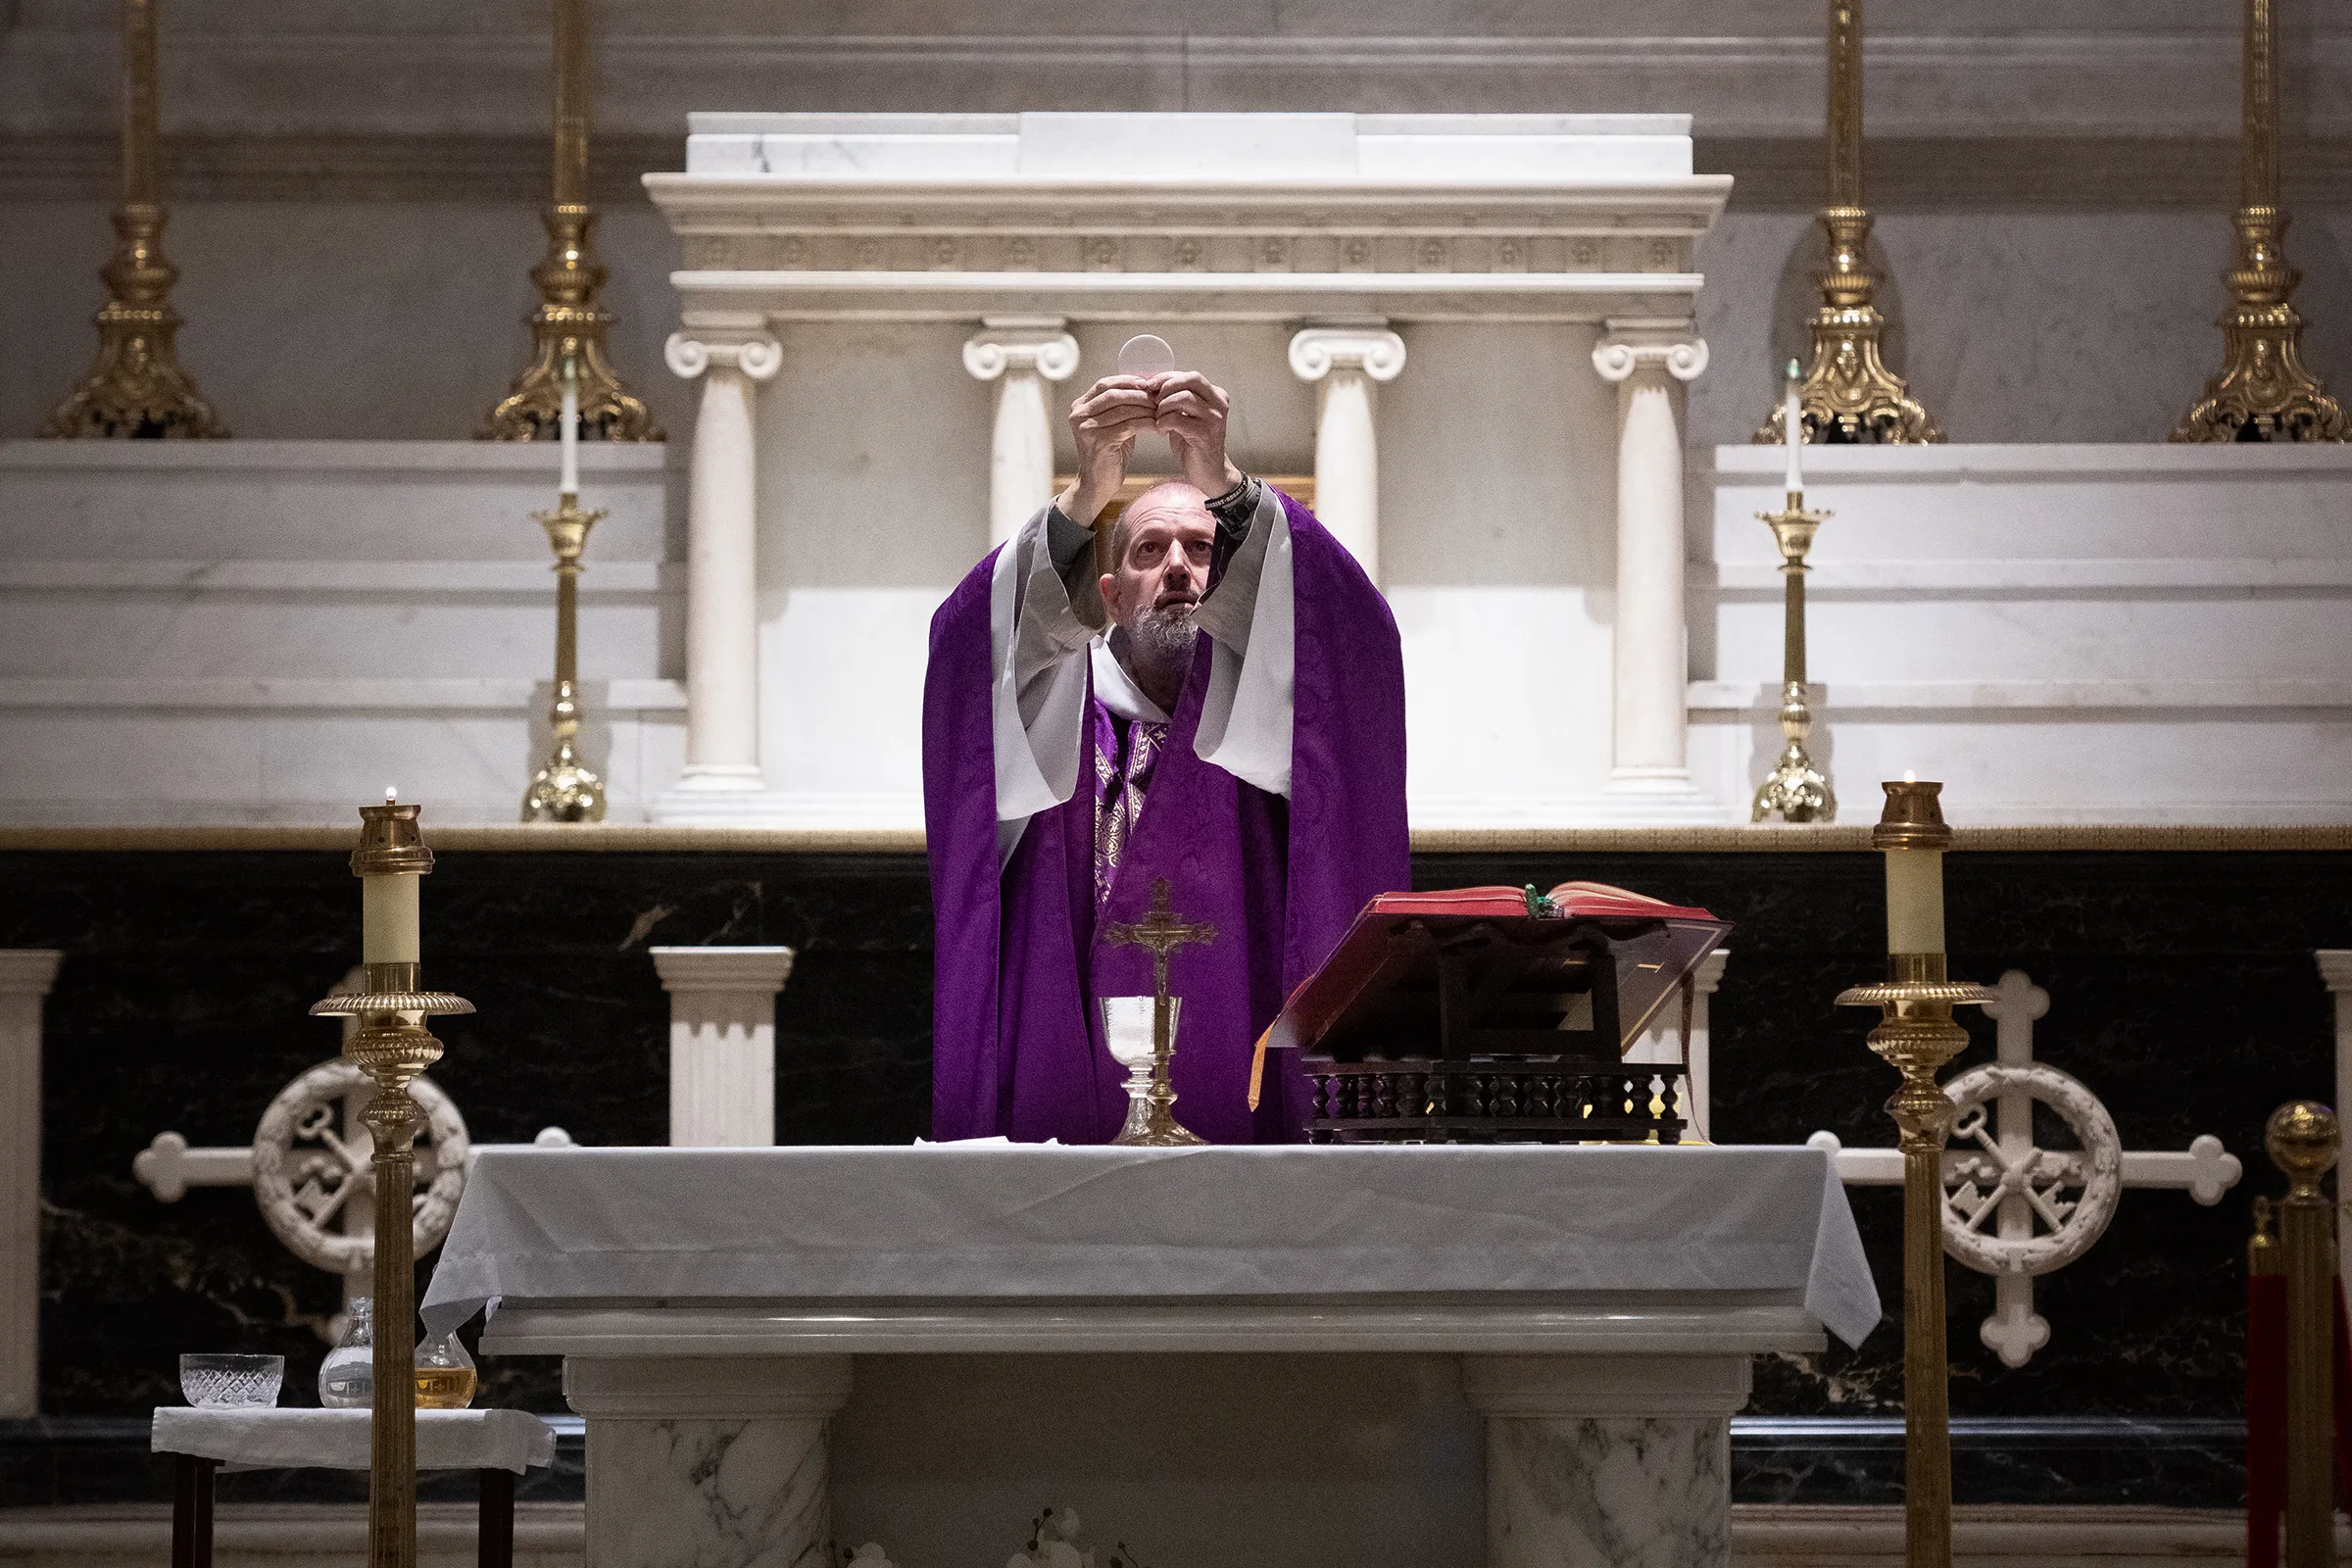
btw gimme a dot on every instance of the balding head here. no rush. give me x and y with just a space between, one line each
1172 500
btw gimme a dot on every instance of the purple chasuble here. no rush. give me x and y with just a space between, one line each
1016 1037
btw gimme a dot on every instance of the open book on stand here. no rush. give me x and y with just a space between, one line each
1497 1014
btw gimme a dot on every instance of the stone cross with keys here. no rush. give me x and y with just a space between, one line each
2011 1210
1160 933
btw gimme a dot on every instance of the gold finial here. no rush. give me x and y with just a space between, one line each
391 843
2301 1136
1913 819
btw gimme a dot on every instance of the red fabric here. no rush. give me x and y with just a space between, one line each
2266 1413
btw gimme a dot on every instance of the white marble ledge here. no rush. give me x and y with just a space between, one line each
247 694
405 459
2118 460
1973 696
413 579
1761 579
1146 147
1740 1322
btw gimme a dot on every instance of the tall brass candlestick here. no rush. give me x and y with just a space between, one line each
1917 1035
2302 1141
392 1047
1849 394
136 387
565 790
1797 790
2262 392
569 324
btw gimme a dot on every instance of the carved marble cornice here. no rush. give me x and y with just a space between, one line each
1400 217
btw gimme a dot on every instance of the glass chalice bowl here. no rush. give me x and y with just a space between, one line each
232 1382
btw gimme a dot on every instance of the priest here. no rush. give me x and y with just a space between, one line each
1222 709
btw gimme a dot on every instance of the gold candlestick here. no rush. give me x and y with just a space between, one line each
1160 933
137 388
565 790
2262 392
392 1047
1849 394
1797 790
2301 1137
569 324
1916 1035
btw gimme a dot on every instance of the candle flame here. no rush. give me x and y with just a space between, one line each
1910 775
391 796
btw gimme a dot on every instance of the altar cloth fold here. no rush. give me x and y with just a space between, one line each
1076 1222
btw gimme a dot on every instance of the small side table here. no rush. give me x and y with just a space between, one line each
496 1444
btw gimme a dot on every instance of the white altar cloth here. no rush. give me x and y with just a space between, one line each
267 1438
1753 1227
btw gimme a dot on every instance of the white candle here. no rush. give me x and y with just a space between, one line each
571 430
388 919
388 924
1792 420
1914 901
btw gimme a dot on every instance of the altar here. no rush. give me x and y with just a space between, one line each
1234 1355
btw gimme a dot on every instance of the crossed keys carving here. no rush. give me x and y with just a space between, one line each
2041 1177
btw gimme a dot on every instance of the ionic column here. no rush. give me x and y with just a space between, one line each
708 1461
722 1044
1607 1461
2336 972
1021 354
1644 359
1346 362
25 975
722 782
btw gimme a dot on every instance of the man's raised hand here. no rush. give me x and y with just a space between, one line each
1190 410
1105 421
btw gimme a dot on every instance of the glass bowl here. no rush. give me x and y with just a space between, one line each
219 1382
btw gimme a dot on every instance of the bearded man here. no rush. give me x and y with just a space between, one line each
1223 708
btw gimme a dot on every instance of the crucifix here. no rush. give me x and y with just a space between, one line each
1160 932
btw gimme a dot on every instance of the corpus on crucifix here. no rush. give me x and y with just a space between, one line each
1222 709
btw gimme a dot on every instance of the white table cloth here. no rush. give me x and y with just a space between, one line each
267 1438
1037 1222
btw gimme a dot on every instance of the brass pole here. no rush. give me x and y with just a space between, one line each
1849 394
569 324
391 1120
1793 613
2263 391
392 1045
1845 103
140 183
136 388
2302 1141
1925 1116
571 101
